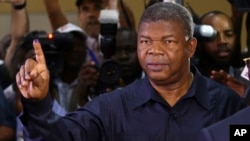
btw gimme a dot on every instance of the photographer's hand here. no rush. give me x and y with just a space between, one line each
87 78
33 77
226 79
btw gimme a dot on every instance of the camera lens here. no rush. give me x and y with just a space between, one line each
110 72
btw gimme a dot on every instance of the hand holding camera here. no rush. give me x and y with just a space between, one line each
87 79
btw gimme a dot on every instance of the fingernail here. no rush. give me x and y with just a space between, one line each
35 41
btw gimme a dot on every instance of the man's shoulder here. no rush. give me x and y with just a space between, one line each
218 96
213 86
224 95
221 130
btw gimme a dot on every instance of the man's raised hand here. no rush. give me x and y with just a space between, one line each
33 77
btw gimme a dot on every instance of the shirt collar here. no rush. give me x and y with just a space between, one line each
142 91
199 89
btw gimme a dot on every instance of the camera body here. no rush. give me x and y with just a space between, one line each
109 70
54 46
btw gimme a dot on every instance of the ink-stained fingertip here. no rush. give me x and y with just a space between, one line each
35 41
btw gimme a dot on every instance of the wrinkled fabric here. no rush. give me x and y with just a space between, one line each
134 113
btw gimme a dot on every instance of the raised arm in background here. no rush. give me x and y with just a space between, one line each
19 27
58 18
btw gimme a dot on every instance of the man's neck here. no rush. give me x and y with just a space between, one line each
172 94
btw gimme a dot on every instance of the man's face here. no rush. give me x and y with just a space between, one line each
164 51
88 16
126 53
222 47
76 56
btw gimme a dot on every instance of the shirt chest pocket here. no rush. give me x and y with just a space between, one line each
132 137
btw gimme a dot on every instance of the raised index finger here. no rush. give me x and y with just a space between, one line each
40 58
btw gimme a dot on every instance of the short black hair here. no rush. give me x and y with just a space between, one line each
167 11
79 2
214 12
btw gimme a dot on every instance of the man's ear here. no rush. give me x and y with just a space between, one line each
192 44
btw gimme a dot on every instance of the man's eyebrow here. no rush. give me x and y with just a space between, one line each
229 30
144 36
167 36
163 37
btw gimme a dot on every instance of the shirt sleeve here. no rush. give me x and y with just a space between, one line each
41 123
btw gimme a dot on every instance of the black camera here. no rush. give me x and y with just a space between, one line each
241 5
54 46
109 70
204 32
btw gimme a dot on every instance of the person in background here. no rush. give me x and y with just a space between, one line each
161 106
19 26
88 19
215 56
125 56
55 61
220 131
66 80
7 120
4 44
239 9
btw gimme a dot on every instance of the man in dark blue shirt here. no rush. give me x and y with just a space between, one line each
173 102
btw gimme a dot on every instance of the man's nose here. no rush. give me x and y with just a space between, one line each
221 38
157 47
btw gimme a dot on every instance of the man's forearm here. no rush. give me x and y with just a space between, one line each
55 14
19 27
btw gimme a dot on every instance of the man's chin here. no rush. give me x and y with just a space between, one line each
94 32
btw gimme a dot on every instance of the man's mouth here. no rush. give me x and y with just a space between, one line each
223 53
93 23
155 66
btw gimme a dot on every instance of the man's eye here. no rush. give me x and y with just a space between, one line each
98 7
145 42
169 41
230 35
84 9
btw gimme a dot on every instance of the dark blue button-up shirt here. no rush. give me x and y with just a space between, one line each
135 113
